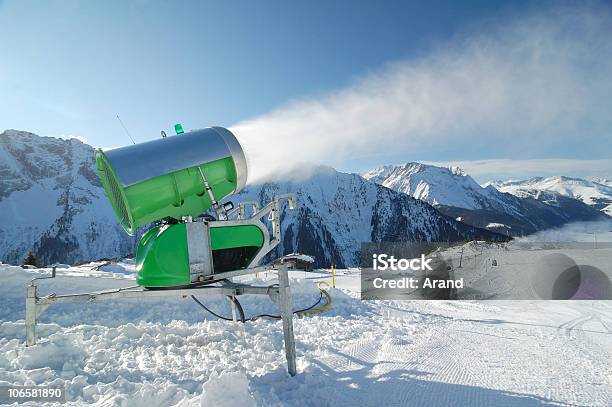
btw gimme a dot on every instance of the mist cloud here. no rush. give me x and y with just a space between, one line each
591 232
537 80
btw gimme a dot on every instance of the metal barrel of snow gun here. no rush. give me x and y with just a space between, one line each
167 177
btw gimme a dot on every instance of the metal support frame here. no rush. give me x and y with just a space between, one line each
198 249
198 238
280 296
272 209
287 317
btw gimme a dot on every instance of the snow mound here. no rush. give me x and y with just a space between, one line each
227 390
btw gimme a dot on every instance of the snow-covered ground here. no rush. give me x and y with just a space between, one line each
378 353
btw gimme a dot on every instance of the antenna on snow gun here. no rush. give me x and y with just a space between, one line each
125 129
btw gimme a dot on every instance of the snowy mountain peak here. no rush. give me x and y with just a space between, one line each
597 193
435 185
412 168
458 171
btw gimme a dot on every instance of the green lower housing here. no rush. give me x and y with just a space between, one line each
162 257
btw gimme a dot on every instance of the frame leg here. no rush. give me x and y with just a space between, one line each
234 310
30 318
287 318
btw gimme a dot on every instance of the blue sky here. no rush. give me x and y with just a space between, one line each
69 67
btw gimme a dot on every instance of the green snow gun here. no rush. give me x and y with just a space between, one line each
173 183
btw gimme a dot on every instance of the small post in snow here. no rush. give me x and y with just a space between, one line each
333 271
287 318
30 320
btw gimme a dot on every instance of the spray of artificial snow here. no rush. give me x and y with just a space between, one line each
534 80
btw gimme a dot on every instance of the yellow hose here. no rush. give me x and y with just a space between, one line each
310 311
320 309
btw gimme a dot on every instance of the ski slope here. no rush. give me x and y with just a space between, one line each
378 353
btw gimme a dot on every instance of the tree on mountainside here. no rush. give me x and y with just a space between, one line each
31 260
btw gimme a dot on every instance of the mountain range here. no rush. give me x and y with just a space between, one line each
53 205
456 194
52 202
336 212
596 192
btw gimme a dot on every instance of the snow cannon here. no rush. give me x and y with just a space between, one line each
174 186
164 178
